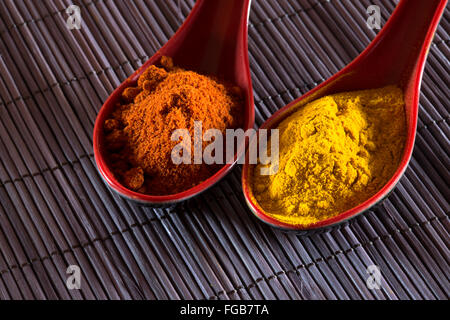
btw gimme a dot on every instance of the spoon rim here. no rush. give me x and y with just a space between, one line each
106 109
287 110
342 217
108 176
379 196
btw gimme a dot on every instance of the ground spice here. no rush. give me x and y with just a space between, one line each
138 134
335 153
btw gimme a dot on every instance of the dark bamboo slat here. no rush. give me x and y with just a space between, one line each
55 210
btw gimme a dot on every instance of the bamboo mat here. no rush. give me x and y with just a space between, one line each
55 211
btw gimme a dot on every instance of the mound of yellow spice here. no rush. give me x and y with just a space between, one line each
335 153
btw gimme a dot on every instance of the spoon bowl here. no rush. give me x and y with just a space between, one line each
397 56
212 41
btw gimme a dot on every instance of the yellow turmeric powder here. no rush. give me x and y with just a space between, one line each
335 153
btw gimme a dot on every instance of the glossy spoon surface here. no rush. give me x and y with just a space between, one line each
397 56
212 41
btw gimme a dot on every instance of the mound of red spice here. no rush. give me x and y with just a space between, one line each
138 133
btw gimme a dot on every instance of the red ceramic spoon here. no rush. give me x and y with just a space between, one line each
213 41
396 56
